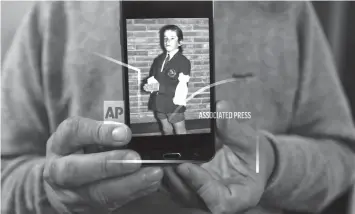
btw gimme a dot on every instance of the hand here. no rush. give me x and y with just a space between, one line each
146 88
93 183
229 183
151 87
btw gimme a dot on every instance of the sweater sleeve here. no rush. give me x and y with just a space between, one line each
181 90
316 159
24 122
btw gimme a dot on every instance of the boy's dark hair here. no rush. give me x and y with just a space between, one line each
172 28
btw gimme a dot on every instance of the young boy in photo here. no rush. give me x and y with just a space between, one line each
169 75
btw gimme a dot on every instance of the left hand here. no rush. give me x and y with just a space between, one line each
229 183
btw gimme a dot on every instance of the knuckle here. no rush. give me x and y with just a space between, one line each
65 171
49 172
99 133
63 135
206 189
104 169
47 166
71 124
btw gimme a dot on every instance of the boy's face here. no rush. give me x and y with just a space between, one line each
171 40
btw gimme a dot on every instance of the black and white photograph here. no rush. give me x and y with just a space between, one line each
101 105
171 87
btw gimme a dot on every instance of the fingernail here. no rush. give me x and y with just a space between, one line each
154 175
220 105
131 156
119 133
155 185
222 123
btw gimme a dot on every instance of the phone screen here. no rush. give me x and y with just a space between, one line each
169 49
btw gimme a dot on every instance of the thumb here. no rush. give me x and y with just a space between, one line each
200 181
221 106
238 136
222 123
194 175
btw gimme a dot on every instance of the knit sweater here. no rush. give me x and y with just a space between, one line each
293 94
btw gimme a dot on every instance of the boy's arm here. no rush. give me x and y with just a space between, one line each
24 122
186 67
153 68
181 90
316 162
152 72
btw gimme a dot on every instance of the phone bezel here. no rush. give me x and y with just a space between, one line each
196 148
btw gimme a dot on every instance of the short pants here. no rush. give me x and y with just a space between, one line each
172 117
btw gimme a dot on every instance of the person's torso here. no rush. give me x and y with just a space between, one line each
248 39
168 77
167 74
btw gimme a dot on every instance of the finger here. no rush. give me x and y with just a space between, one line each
122 190
77 132
79 169
218 197
202 182
180 190
238 136
107 194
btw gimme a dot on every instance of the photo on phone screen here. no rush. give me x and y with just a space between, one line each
168 46
170 90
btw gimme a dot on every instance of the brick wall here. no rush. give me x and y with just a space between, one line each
143 46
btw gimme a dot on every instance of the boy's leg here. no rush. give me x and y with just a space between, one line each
180 127
178 121
167 128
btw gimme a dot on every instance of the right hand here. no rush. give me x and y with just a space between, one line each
90 183
146 87
150 87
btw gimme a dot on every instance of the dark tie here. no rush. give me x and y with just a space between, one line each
166 61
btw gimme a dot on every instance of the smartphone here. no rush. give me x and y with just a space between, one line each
168 46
